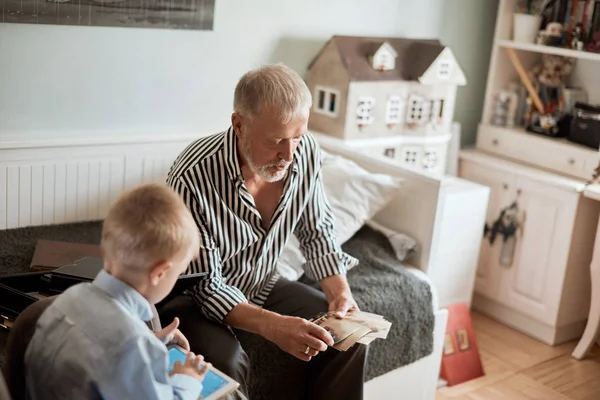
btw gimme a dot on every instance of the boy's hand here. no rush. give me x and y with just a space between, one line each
191 367
171 335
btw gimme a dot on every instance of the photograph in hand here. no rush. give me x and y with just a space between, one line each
378 325
356 327
337 328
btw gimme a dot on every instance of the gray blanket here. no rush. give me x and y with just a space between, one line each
382 285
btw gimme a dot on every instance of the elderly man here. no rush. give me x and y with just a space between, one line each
250 188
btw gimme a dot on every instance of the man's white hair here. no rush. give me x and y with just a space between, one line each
277 87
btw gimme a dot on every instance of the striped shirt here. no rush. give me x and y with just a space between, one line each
238 256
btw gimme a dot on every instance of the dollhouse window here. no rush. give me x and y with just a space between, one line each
392 113
437 111
363 110
410 156
384 59
444 69
390 152
430 160
327 101
419 110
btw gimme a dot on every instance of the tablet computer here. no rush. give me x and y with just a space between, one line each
215 384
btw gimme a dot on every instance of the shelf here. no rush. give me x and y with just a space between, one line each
584 55
554 154
520 168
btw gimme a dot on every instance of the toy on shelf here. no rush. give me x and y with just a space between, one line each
396 88
577 37
553 35
549 77
545 84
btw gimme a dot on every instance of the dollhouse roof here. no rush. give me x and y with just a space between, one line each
415 56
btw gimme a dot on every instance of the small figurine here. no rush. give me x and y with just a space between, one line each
576 42
552 36
549 77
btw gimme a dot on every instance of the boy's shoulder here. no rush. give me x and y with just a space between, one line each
82 336
95 317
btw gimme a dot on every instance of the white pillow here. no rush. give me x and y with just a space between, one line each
355 196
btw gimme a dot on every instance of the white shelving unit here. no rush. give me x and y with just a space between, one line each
544 288
557 155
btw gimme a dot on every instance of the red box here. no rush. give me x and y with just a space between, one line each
460 359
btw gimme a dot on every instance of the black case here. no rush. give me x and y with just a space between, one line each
585 126
16 291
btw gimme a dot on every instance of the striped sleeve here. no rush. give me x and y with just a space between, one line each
315 231
215 298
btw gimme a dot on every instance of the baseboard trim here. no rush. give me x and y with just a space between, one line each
552 336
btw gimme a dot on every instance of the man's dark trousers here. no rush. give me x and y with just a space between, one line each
328 376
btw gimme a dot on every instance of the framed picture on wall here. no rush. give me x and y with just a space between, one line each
167 14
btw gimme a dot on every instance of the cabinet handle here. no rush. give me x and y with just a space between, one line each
505 186
519 192
571 161
495 142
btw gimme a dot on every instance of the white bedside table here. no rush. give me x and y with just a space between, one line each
593 324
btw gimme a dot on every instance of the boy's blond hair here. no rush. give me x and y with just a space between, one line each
146 225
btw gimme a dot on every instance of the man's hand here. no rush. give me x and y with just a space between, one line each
191 367
338 295
172 335
293 335
342 304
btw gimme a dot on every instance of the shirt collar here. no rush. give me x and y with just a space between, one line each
127 296
232 161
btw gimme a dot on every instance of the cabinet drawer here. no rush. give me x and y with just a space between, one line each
554 154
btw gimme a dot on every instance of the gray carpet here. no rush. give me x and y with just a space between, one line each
17 247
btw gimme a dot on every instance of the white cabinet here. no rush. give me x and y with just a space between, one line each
544 291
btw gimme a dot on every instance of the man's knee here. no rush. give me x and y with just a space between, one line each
232 361
214 341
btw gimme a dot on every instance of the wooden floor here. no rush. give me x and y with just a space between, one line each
519 367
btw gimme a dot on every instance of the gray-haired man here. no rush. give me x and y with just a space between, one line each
250 188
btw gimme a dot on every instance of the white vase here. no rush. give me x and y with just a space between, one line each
526 27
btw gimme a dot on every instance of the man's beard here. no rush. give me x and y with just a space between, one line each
265 172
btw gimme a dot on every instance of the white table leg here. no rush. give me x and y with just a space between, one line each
593 324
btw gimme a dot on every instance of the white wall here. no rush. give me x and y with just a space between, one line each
57 80
468 28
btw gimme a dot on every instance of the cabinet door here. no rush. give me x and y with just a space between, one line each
533 282
487 281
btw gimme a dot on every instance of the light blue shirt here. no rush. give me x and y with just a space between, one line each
92 343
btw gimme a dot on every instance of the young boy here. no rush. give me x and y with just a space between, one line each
92 342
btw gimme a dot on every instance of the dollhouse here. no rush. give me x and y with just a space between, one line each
392 96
